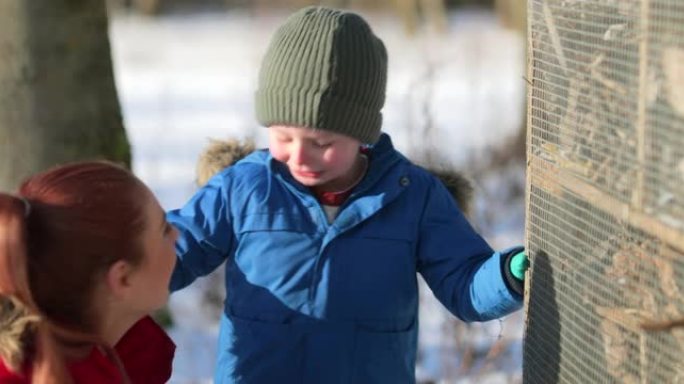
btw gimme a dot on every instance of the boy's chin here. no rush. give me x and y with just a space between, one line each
308 182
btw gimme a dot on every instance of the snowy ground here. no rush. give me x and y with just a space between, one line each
183 78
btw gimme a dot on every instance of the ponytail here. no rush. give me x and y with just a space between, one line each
23 331
16 320
17 326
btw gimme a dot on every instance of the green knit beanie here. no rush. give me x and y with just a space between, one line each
324 69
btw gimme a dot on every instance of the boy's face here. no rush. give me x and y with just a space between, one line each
320 159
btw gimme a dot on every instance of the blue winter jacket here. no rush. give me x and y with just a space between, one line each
312 302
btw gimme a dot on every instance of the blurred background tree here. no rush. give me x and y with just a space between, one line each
58 101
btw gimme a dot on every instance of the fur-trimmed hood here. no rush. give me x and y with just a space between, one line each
458 185
220 154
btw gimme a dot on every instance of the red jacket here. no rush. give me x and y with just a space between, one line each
145 350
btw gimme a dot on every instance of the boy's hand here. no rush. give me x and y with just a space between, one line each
519 264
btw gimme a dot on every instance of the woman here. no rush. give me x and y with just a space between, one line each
85 255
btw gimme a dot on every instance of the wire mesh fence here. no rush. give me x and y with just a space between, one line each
606 191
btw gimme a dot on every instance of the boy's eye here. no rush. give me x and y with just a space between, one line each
281 137
322 144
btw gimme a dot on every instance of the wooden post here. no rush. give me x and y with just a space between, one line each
638 196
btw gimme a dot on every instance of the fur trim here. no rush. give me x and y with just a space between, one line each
460 187
220 154
17 327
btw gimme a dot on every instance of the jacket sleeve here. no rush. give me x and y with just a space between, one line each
205 232
462 270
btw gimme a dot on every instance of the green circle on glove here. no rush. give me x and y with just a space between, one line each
519 264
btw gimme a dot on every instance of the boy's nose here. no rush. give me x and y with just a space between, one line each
299 154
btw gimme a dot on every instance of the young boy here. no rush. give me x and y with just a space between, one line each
323 234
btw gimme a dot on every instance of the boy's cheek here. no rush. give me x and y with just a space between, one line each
279 156
276 152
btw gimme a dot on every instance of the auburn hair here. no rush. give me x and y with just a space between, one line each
58 236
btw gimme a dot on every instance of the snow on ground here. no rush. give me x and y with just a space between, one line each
183 78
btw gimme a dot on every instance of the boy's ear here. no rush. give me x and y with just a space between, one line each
118 278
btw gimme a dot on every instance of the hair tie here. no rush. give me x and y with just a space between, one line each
27 207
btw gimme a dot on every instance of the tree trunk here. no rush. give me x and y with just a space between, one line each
58 101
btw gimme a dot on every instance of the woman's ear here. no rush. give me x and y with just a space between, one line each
118 278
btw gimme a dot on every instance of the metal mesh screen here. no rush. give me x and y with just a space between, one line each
606 192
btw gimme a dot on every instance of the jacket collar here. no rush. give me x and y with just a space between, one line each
382 158
384 181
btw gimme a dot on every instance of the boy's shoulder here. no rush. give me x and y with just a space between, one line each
419 173
457 183
254 164
393 163
246 173
259 157
220 154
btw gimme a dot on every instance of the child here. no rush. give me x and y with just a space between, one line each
323 234
85 255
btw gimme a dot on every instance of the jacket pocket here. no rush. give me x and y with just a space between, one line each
385 357
260 352
272 264
374 276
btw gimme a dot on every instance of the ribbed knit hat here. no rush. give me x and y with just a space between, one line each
324 69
